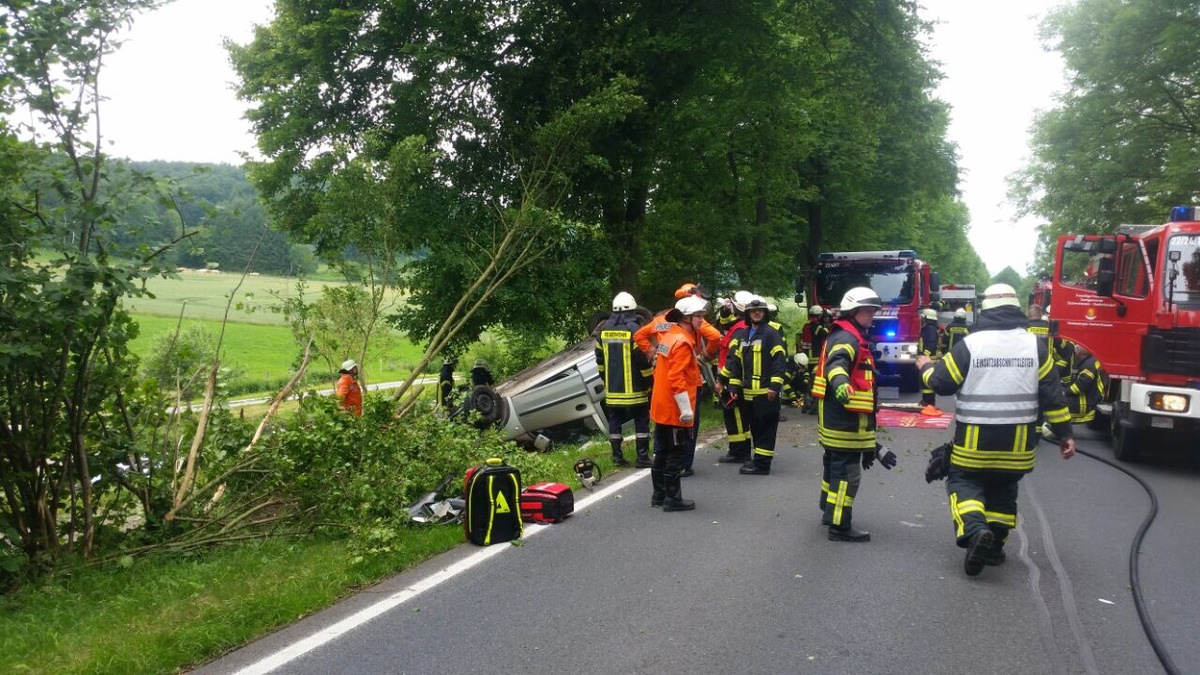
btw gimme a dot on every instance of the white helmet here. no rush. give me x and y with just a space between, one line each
348 365
801 359
929 313
740 299
860 297
691 305
999 295
960 313
757 302
815 310
624 302
772 307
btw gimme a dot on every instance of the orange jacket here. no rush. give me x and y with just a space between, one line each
350 394
676 371
648 337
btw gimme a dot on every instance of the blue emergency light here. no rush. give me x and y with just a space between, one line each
891 333
1183 213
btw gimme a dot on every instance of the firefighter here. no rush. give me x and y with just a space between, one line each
956 330
820 331
796 386
626 373
348 389
844 386
445 391
481 374
1002 376
1037 325
736 429
673 401
928 345
708 343
754 371
727 314
1087 386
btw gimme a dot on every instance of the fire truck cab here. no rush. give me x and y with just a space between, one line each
1133 299
904 283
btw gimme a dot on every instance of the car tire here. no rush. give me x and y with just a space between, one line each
598 317
1127 440
644 315
488 404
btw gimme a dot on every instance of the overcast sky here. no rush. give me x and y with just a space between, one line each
171 97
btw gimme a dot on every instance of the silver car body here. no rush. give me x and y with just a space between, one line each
562 389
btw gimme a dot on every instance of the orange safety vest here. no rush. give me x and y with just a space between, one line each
862 375
676 371
350 394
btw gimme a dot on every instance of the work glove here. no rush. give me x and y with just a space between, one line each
868 459
842 393
939 463
685 408
735 391
886 457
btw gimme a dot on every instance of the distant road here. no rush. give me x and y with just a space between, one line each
241 402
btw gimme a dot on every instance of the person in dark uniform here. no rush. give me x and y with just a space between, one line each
754 371
1002 376
929 345
1086 386
844 386
445 391
481 373
627 376
956 330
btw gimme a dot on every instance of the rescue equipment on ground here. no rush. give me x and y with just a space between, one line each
587 472
493 503
547 503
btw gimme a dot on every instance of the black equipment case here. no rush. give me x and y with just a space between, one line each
547 502
492 512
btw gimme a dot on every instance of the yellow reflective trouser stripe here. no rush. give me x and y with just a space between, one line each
750 393
846 443
993 459
1085 417
840 501
630 398
1058 415
743 434
960 528
1009 519
763 452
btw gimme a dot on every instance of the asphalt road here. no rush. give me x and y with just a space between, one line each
748 583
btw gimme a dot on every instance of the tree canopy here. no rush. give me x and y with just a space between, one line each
1119 147
725 143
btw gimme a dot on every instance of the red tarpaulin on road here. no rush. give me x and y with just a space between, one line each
887 417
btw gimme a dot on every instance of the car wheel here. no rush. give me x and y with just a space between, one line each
489 405
598 317
644 315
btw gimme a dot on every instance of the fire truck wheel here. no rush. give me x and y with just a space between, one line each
1126 440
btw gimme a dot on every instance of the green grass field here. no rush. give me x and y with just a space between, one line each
258 344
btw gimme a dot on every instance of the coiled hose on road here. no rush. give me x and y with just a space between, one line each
1135 583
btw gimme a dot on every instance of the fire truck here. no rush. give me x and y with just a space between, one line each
904 283
955 297
1133 299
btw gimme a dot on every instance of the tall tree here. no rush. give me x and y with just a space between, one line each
1120 145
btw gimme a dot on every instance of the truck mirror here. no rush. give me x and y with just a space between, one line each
935 298
935 282
800 298
1106 245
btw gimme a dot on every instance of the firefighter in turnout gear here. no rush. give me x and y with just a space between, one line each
1002 376
736 426
673 402
820 330
1086 386
928 344
627 374
844 386
754 371
956 330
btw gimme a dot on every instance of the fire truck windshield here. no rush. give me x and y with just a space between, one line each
1187 282
891 279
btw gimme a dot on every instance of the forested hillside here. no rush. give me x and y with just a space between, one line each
218 201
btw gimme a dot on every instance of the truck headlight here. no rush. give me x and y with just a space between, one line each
1174 403
910 349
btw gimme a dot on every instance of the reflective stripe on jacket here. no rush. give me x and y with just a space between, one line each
846 357
624 368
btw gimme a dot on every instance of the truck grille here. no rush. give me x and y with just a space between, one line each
1174 352
885 330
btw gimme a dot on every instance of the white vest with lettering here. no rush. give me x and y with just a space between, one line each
1001 386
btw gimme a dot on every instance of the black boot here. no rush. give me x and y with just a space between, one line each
643 456
847 533
981 542
755 468
731 458
659 493
675 500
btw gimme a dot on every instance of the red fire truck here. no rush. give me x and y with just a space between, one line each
904 283
1133 299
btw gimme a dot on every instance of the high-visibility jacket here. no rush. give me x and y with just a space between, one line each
1003 376
648 336
955 331
1088 385
624 368
350 394
756 361
820 333
928 342
723 351
676 371
846 358
1063 353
